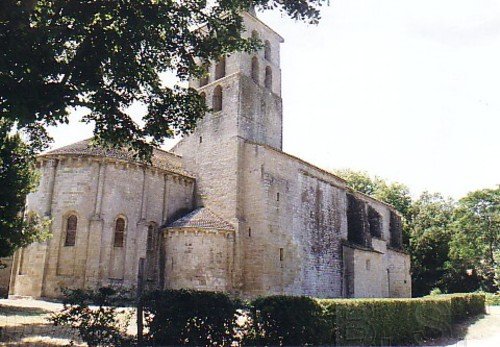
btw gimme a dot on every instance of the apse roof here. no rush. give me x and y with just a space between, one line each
201 218
161 159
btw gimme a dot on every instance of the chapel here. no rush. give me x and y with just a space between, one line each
226 209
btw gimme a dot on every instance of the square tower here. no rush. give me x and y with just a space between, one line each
244 91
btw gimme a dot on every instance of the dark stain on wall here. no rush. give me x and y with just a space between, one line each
396 231
358 227
375 220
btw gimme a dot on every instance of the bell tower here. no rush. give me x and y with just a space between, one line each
244 90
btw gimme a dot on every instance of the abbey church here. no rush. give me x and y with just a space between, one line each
224 210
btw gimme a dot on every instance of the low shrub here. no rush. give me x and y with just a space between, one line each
94 314
188 317
287 320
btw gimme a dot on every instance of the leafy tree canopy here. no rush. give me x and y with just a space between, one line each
476 240
106 55
18 177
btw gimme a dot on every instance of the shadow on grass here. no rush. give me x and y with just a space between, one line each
36 334
21 311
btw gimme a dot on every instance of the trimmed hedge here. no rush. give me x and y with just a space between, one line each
203 318
188 317
287 320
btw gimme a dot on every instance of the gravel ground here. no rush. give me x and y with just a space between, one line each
483 331
23 322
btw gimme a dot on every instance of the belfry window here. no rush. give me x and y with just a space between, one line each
217 99
269 78
255 70
71 225
267 50
220 68
119 232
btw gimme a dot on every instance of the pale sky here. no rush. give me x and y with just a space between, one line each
407 90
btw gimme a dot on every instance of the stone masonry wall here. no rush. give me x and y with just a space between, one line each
198 259
97 191
296 236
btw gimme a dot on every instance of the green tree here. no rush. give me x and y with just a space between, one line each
18 177
107 55
431 230
476 241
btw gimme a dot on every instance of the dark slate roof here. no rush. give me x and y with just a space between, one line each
201 218
161 159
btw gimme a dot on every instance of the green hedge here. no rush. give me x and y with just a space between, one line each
202 318
188 317
287 320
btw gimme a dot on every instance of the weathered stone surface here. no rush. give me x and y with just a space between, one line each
228 211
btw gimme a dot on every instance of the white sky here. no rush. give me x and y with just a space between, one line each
405 89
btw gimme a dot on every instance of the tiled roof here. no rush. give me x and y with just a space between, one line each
161 159
201 218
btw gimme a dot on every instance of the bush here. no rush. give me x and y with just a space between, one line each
287 320
188 317
103 325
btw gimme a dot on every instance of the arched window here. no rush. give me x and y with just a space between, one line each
150 239
267 50
204 96
220 68
119 232
255 35
269 78
255 70
71 225
217 99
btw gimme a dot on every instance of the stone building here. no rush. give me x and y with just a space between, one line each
226 209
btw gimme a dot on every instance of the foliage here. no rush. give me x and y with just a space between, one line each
476 240
287 320
180 317
108 55
102 325
435 291
492 299
18 174
431 230
397 321
188 317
